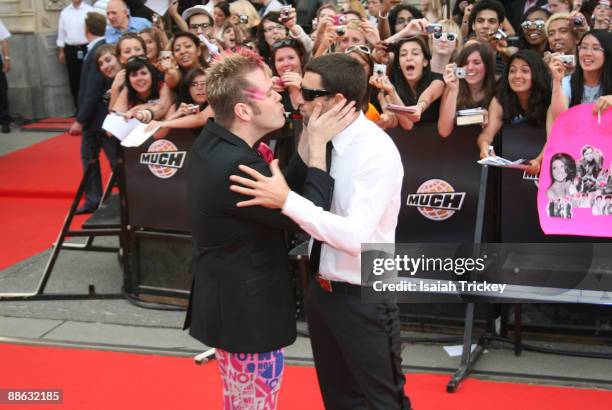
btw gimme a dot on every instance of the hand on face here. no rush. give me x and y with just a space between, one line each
323 126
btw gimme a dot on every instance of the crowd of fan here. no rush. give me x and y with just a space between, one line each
517 64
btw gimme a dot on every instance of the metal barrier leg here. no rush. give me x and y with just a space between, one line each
58 246
518 329
468 358
204 356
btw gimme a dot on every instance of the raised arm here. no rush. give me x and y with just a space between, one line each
485 139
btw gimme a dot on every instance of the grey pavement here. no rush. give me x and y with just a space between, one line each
117 324
18 139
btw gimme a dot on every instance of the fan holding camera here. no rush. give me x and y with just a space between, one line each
331 29
470 85
444 44
486 21
288 17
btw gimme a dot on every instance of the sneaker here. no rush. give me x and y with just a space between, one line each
6 129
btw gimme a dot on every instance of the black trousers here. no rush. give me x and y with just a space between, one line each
92 141
357 351
5 118
74 61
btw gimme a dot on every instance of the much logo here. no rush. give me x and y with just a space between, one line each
436 199
163 159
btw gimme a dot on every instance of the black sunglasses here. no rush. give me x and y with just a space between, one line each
203 26
137 58
309 94
286 42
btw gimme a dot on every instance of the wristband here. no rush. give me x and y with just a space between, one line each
7 57
151 113
383 16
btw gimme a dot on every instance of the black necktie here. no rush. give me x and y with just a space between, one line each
315 253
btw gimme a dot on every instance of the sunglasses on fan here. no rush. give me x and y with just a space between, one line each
449 36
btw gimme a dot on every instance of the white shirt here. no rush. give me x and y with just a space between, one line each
4 33
71 26
368 173
100 6
93 43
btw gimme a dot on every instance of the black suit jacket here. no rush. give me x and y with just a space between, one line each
93 85
241 297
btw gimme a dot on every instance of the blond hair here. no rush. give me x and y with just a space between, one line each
449 26
436 8
555 17
226 82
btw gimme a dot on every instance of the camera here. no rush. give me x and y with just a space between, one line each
243 19
193 109
380 70
568 59
500 34
578 21
155 18
460 72
284 13
433 28
339 20
340 30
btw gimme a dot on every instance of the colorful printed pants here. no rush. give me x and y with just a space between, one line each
251 381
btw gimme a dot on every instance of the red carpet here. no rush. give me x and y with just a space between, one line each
57 120
106 380
50 124
36 190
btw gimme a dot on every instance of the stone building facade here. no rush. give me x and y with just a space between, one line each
38 83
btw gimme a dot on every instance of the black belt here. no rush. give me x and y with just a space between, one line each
333 286
76 46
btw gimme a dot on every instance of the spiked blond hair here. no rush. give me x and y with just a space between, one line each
226 82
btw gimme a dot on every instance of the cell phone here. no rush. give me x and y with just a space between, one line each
193 108
380 70
243 19
155 18
433 28
460 72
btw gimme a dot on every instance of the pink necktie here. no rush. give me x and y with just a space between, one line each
265 152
